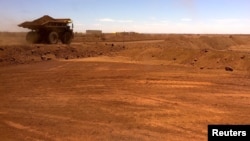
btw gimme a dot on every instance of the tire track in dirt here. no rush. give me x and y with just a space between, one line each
29 130
174 84
106 128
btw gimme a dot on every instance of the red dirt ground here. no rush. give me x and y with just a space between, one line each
151 87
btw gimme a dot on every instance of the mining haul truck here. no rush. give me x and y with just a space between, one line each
49 30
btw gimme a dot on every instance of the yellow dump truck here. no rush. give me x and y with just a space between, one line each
49 30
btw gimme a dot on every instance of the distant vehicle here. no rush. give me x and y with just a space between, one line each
49 30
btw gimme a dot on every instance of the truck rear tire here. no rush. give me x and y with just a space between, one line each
53 37
67 38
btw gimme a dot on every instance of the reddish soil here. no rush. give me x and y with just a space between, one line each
151 87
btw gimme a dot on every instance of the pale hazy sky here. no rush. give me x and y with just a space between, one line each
145 16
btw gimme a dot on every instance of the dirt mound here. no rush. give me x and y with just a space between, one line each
218 43
202 52
20 54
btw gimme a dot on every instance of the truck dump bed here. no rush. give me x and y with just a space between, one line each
45 21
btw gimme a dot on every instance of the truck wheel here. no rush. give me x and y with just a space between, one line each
67 38
32 37
53 37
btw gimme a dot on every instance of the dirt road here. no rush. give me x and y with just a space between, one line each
114 98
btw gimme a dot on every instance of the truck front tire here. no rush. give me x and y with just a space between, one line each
67 38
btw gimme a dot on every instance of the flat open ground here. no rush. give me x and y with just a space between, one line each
167 88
